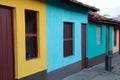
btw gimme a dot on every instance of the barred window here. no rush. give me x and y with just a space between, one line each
31 34
99 36
68 46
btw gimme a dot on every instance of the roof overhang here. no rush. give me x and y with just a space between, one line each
94 17
79 4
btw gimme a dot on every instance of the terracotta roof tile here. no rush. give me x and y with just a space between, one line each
95 17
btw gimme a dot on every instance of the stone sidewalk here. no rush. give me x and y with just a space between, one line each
98 72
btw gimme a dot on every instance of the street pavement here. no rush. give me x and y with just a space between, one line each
98 72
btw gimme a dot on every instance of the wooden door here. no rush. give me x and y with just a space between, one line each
83 30
6 44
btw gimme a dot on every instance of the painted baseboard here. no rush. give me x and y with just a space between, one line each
96 60
38 76
65 71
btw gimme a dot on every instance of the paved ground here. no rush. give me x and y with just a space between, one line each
98 72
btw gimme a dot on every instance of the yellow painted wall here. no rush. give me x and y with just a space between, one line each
23 67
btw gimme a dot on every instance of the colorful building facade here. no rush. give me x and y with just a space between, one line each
96 53
99 38
116 43
49 40
64 20
23 40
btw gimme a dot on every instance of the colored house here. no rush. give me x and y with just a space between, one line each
76 39
99 40
22 40
64 47
116 38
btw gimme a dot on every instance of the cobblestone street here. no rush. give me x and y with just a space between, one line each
98 72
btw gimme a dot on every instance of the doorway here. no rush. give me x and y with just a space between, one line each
84 59
6 44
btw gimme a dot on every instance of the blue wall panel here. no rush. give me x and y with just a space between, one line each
94 49
110 38
56 15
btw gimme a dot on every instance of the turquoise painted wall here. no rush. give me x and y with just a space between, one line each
56 15
94 49
110 38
